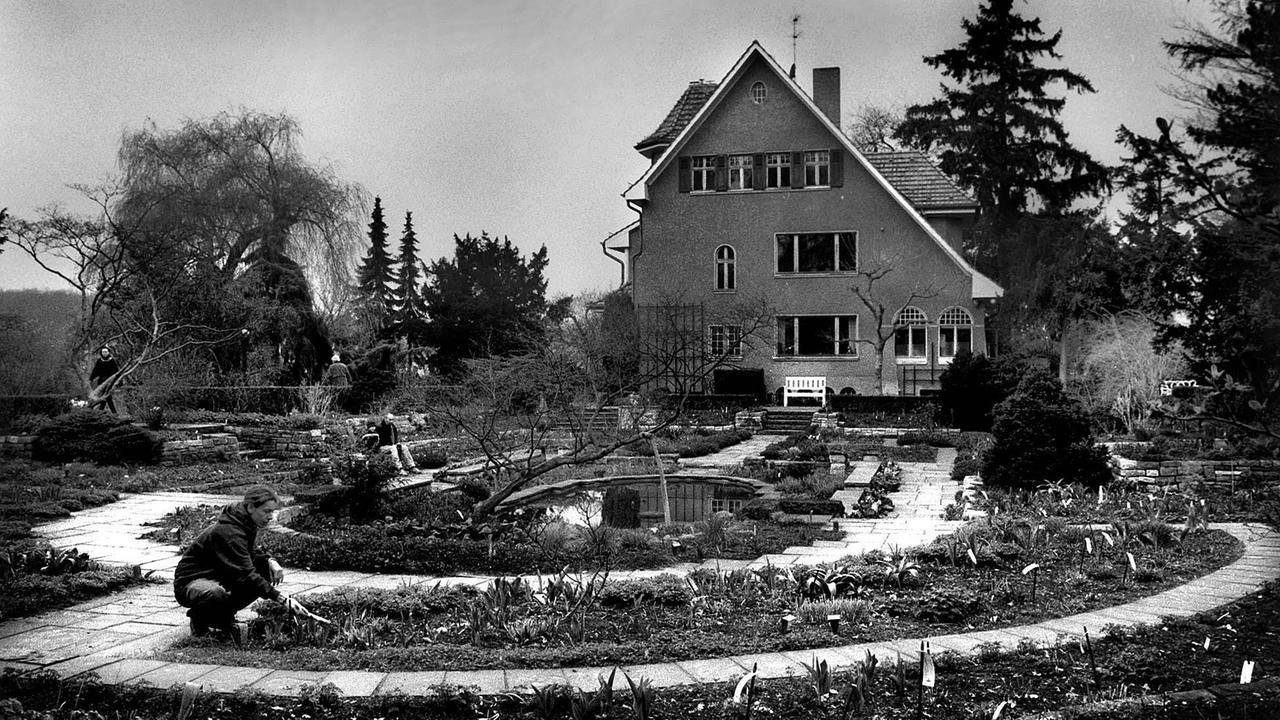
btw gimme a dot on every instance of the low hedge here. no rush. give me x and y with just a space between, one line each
803 506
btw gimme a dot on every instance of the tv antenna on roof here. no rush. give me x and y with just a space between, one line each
795 33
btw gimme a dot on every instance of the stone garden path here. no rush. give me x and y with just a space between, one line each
116 636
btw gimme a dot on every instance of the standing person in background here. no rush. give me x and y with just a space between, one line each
337 374
103 368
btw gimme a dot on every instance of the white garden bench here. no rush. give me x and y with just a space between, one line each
804 387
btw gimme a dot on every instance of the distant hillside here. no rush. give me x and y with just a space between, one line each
34 327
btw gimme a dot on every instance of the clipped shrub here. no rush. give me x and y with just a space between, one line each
662 589
926 437
367 479
1042 436
758 509
621 508
94 436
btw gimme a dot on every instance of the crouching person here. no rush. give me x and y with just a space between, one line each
223 571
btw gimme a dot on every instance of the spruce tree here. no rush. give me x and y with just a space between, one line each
374 273
996 131
408 298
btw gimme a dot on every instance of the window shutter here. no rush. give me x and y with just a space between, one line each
686 175
758 170
797 170
837 167
722 173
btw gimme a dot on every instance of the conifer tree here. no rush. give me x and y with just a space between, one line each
374 273
996 131
408 298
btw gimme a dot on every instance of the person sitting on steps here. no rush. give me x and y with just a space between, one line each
389 441
224 571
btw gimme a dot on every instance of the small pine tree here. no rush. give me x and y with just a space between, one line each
408 300
1042 435
374 273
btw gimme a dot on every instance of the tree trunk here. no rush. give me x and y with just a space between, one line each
662 481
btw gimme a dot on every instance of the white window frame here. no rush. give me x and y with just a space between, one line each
729 505
913 320
702 169
817 168
726 269
741 168
951 323
837 340
795 270
726 340
775 163
759 92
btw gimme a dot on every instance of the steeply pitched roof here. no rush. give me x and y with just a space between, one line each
919 180
663 154
690 102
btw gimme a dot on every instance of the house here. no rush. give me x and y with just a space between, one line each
756 198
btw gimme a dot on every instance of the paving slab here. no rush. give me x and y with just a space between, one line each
289 683
408 683
230 679
175 674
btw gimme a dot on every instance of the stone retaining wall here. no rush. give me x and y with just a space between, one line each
1187 473
281 443
17 446
207 448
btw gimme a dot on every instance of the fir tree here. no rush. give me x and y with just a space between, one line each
997 130
374 273
408 298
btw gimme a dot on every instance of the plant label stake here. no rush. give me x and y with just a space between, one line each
929 677
1034 570
786 622
1206 643
1093 665
833 622
1246 672
920 689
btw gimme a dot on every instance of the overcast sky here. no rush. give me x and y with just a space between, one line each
515 118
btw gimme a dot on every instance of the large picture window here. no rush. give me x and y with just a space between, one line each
726 269
817 335
955 333
909 334
817 252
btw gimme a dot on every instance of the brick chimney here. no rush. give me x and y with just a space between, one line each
826 92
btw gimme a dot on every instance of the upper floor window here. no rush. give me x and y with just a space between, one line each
817 168
740 169
909 334
817 335
726 340
817 252
955 333
704 173
778 166
758 93
726 269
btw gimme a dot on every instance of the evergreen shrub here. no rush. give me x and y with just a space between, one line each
1041 435
95 436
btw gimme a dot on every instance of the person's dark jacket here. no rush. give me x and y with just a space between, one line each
388 434
103 368
227 553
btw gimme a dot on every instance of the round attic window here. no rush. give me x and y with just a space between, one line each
758 93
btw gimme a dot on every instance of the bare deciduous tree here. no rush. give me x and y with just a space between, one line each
883 302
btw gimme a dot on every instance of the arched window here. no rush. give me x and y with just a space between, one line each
955 333
909 335
726 269
758 93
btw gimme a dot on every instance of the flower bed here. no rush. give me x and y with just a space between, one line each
584 620
36 578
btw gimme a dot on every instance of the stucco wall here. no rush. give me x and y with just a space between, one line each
673 262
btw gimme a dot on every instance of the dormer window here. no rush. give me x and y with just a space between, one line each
758 93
